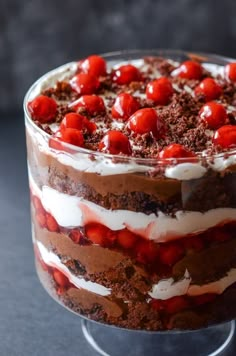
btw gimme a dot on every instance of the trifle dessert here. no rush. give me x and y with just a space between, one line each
132 163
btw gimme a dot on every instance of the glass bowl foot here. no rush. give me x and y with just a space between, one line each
109 341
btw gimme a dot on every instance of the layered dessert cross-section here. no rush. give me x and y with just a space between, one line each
132 172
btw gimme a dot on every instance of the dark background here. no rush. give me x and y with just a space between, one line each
36 36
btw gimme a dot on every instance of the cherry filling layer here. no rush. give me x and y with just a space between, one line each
157 257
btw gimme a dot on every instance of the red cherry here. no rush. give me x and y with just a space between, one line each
176 304
126 238
60 279
230 71
75 236
97 233
41 219
51 222
158 304
72 136
93 104
78 122
218 235
159 91
214 114
147 121
147 251
84 83
125 105
209 88
225 136
55 141
37 204
72 121
170 253
126 74
176 150
194 243
189 70
204 298
94 65
115 142
42 109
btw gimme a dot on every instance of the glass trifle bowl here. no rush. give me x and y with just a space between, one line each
131 161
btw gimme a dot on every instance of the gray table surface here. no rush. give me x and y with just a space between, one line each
31 322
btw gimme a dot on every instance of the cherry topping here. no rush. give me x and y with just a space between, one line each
94 65
159 91
147 121
225 136
214 114
93 104
115 142
69 135
126 74
77 121
125 105
42 108
84 83
126 238
189 70
55 141
170 253
230 71
209 88
175 150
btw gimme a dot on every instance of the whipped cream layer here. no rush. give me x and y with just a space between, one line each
71 211
105 166
168 288
52 260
